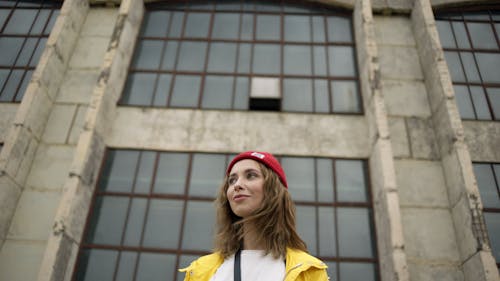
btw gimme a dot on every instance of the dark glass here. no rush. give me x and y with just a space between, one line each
480 103
268 27
10 47
445 34
148 54
24 85
200 218
306 226
162 90
345 96
331 270
139 89
454 66
12 85
119 171
226 26
300 175
244 55
321 100
126 266
355 235
357 271
341 61
41 20
162 215
266 59
155 23
52 21
108 220
207 171
460 35
297 28
20 22
153 266
197 25
3 16
464 102
493 225
171 174
241 94
297 60
486 184
246 27
324 180
494 97
96 264
351 185
186 91
318 31
227 5
470 67
176 24
192 56
185 261
168 62
339 29
482 35
297 95
222 57
3 78
135 222
319 60
327 237
266 6
488 66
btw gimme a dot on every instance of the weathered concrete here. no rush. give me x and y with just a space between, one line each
7 114
483 140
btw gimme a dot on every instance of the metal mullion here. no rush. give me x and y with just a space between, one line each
327 58
176 63
316 209
497 184
313 72
335 214
184 211
236 65
282 55
207 54
7 19
367 175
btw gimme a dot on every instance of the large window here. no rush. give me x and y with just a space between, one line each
24 28
211 55
488 181
153 213
472 49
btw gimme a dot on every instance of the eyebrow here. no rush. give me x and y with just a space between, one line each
246 171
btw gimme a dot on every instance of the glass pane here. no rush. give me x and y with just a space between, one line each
38 52
321 100
494 97
297 60
155 23
162 225
222 57
40 22
351 185
207 174
339 29
185 261
267 6
241 94
162 90
24 85
357 271
482 35
497 27
147 54
331 270
345 97
192 56
324 172
486 184
10 48
52 21
108 220
12 85
297 28
464 102
218 92
454 66
176 25
154 266
227 5
3 16
341 61
197 25
306 226
135 222
139 89
445 34
493 225
480 103
168 62
327 231
480 15
319 60
200 219
186 91
268 27
297 95
266 59
96 265
300 176
355 237
226 26
171 174
126 266
246 27
3 77
244 55
461 35
470 67
119 170
318 29
20 22
488 66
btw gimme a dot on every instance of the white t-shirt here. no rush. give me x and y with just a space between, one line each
254 267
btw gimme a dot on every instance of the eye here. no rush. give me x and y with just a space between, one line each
252 175
231 181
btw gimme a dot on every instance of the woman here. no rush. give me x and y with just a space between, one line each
256 238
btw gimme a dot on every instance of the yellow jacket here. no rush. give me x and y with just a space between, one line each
300 266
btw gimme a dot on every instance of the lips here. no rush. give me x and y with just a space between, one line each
240 197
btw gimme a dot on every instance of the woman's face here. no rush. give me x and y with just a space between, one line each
245 190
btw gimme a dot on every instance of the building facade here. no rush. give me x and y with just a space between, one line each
118 118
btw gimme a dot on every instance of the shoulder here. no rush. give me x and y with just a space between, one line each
303 266
206 262
298 256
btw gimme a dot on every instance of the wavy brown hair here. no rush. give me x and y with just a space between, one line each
275 219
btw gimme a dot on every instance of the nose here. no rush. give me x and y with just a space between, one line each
238 185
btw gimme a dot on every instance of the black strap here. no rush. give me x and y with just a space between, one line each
237 266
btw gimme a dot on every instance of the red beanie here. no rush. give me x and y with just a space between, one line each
264 158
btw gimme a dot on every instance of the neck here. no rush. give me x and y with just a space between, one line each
250 239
